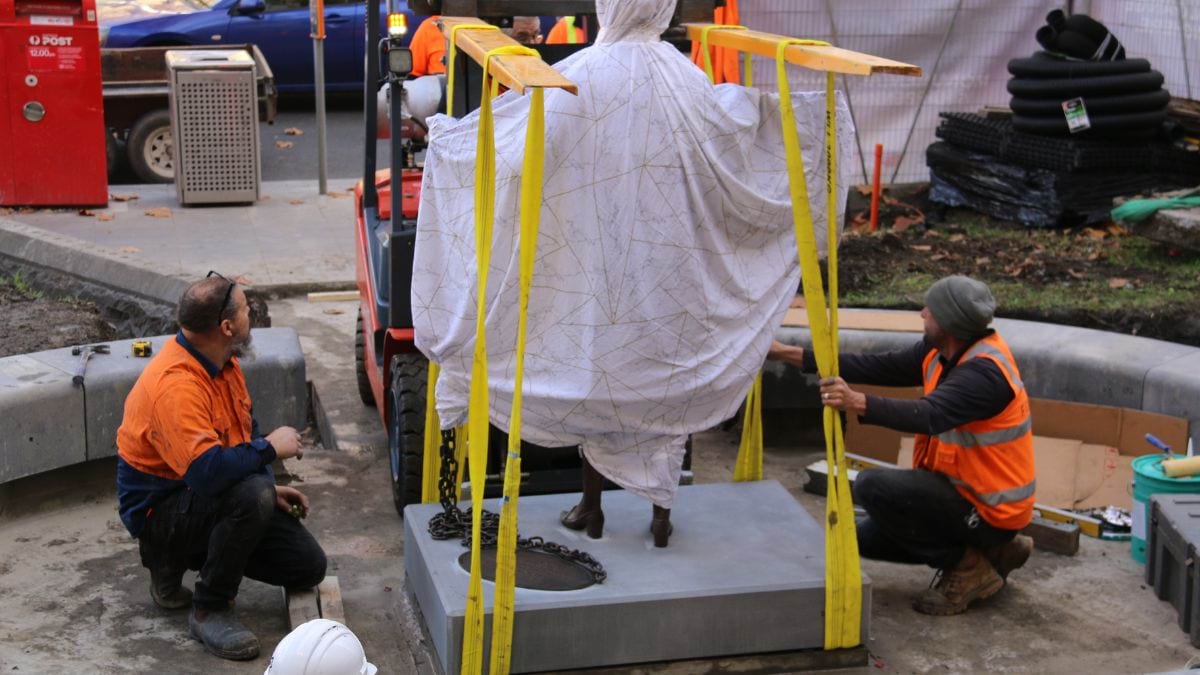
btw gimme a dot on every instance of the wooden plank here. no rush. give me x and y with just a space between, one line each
863 319
829 59
332 296
516 72
302 606
329 595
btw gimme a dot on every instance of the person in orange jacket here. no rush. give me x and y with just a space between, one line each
724 61
567 31
428 47
971 491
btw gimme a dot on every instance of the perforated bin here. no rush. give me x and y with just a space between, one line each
214 123
1171 544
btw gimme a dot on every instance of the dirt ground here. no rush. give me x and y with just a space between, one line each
1097 277
33 322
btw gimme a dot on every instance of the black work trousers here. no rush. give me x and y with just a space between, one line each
239 533
916 516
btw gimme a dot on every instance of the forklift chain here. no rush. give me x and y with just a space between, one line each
455 522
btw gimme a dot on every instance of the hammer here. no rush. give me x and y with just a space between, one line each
85 353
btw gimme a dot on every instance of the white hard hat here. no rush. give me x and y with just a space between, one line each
319 647
422 95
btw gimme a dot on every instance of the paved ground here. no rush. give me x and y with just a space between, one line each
75 598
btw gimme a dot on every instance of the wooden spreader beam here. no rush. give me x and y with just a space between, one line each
828 59
516 72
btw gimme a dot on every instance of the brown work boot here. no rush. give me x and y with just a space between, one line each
1010 556
972 579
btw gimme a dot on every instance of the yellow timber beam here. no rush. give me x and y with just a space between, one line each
815 57
514 71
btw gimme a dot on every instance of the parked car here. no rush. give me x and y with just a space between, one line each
280 29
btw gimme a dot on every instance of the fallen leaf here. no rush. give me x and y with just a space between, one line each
105 216
921 247
129 249
1093 233
956 238
1117 230
939 256
284 144
1095 255
864 190
293 131
933 233
1118 282
336 195
983 261
86 212
27 209
860 221
5 212
160 212
295 202
1076 275
334 310
902 223
123 198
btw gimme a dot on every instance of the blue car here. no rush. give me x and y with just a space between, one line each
280 28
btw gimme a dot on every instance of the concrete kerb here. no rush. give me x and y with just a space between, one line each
1057 362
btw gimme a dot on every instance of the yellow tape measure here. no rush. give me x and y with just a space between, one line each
141 348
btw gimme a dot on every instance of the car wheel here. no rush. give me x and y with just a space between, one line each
112 154
360 364
406 427
151 149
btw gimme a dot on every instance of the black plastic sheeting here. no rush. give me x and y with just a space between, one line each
1034 197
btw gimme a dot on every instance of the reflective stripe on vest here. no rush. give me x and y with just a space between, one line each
984 348
1003 496
969 440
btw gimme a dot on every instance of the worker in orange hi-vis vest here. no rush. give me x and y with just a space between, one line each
428 49
724 61
971 488
567 31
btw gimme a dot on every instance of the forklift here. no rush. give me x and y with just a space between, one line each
392 374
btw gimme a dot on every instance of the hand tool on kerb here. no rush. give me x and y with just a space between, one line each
1154 440
85 353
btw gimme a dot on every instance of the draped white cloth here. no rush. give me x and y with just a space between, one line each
666 257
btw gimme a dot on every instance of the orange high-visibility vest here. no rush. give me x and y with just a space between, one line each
990 462
724 61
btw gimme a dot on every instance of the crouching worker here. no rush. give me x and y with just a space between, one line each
194 475
971 491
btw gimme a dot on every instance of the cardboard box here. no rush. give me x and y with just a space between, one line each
1083 452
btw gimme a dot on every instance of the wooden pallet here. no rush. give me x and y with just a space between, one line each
322 602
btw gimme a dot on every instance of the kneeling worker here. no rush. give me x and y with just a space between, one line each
971 491
194 476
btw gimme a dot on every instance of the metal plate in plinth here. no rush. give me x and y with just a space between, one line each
743 574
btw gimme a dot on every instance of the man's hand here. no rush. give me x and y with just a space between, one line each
286 442
291 501
835 393
786 353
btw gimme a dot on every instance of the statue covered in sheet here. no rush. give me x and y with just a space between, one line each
665 262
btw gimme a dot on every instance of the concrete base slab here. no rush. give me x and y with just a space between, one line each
744 574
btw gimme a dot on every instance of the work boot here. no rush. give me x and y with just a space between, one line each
167 591
1010 556
222 634
973 578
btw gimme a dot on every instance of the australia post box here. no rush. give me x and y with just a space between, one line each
52 145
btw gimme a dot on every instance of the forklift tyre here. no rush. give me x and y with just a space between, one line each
150 147
406 427
360 364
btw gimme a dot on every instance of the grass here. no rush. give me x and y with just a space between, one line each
21 285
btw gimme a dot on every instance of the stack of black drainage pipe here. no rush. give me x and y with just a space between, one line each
1086 126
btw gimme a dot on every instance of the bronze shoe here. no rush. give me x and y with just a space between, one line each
580 518
660 526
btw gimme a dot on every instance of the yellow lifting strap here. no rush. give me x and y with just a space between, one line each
749 464
453 51
431 464
843 576
572 38
747 66
477 413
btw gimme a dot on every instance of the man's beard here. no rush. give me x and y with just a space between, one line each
243 348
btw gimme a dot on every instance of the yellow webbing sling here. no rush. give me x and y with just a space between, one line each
453 49
843 577
747 66
749 464
477 414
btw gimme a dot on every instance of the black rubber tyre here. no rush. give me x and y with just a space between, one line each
1100 105
360 364
406 427
112 154
151 149
1101 124
1063 88
1044 66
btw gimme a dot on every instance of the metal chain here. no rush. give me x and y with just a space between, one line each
455 522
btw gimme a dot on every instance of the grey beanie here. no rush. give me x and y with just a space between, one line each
962 306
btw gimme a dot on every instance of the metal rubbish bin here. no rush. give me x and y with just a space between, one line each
214 122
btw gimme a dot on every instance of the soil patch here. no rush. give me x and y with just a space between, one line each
1105 278
34 322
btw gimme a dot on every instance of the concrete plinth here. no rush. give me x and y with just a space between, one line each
744 574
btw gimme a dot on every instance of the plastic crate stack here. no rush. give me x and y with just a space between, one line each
1030 167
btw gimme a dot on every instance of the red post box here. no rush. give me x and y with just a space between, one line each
52 146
